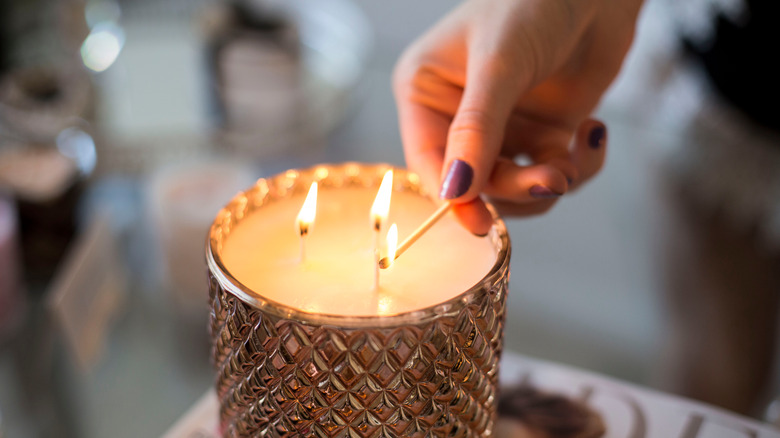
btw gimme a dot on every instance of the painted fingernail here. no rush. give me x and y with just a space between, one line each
539 191
457 181
597 136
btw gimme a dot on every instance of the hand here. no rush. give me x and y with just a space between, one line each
496 80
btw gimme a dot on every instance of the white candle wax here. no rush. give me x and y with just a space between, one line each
337 277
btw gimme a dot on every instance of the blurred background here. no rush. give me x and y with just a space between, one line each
125 125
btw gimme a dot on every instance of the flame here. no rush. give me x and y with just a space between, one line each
392 244
306 216
381 206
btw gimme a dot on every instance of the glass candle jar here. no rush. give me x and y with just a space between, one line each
431 371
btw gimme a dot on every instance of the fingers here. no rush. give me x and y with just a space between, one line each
474 216
516 191
589 150
562 161
533 190
511 182
552 170
513 209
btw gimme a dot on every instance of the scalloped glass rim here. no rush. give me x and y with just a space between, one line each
353 174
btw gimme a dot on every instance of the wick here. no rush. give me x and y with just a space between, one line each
303 233
385 263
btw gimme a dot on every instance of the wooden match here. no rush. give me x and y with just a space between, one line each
385 263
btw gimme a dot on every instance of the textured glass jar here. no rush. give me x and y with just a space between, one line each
286 372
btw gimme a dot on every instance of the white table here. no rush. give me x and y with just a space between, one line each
629 411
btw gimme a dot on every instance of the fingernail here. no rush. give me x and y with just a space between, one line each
539 191
597 136
457 181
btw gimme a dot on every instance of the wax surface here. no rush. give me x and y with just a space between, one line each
337 277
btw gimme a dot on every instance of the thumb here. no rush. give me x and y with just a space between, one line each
512 46
476 133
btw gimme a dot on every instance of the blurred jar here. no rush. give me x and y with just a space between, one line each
182 202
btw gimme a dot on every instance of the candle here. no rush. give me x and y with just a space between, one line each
337 276
312 348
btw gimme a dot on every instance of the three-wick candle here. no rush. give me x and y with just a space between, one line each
337 275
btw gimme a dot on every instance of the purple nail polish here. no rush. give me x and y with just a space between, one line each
597 136
457 181
539 191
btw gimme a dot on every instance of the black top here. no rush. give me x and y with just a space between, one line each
743 61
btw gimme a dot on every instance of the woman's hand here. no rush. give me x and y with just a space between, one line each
499 79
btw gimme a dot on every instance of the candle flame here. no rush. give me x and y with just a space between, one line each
392 244
308 211
381 206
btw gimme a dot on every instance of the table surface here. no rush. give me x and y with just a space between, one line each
629 411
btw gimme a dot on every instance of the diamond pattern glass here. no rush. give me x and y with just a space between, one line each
285 372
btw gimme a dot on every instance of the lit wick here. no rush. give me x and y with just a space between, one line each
379 211
305 219
386 261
